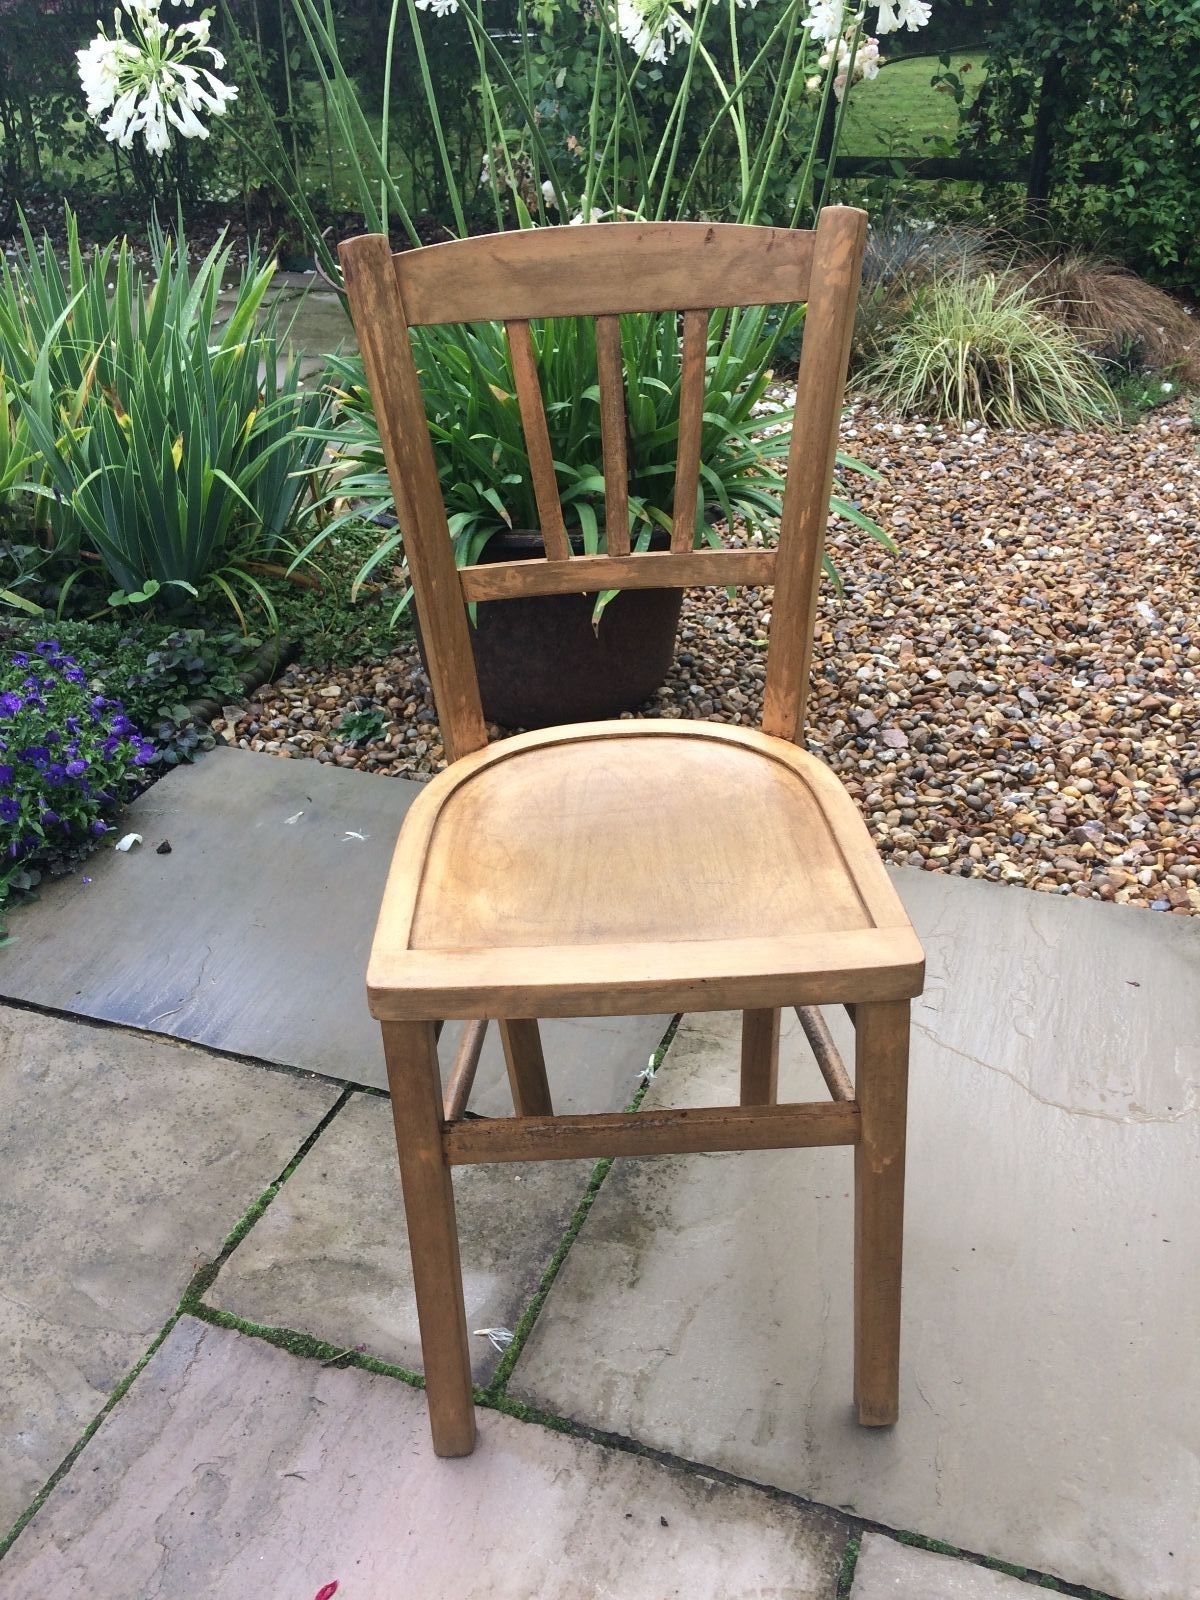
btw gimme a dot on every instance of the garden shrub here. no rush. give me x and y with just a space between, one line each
981 348
69 755
1123 90
169 433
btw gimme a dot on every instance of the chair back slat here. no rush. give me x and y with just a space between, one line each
603 272
654 569
693 355
841 235
611 372
604 269
537 441
395 386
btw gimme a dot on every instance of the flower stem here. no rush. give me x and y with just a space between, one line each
435 117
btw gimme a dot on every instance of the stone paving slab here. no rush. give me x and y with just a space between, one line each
887 1570
235 1469
126 1160
331 1257
252 935
1050 1372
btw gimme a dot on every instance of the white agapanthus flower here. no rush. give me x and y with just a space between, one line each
828 20
652 28
440 8
896 14
548 195
867 62
824 21
152 78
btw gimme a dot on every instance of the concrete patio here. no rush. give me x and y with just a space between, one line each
209 1337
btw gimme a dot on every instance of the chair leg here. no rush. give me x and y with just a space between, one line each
760 1058
412 1065
881 1089
526 1067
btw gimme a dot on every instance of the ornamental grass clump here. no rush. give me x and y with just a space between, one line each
1119 317
68 756
981 348
902 256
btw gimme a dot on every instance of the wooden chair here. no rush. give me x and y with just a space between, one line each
628 867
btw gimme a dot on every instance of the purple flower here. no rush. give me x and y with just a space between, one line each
36 754
56 774
72 724
7 772
10 704
9 809
20 658
75 675
52 736
122 724
99 827
48 647
76 769
49 816
144 755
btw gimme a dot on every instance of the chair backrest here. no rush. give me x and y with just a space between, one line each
602 271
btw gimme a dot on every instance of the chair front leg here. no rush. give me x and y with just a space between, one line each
526 1067
416 1088
760 1058
881 1089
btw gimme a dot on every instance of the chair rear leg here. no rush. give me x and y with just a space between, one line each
526 1067
412 1065
881 1089
760 1058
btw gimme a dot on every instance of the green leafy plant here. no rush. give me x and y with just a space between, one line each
168 443
363 725
1138 391
480 445
15 452
161 678
981 348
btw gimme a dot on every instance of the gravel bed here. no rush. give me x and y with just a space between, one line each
1014 695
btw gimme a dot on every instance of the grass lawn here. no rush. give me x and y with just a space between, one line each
901 113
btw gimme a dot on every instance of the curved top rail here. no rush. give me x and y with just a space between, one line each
603 269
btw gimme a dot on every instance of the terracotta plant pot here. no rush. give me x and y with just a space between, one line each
540 661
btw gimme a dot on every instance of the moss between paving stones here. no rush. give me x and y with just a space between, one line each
188 1304
307 1347
849 1562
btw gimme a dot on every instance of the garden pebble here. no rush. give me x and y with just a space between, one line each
1015 694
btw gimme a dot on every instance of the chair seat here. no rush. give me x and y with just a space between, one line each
612 867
